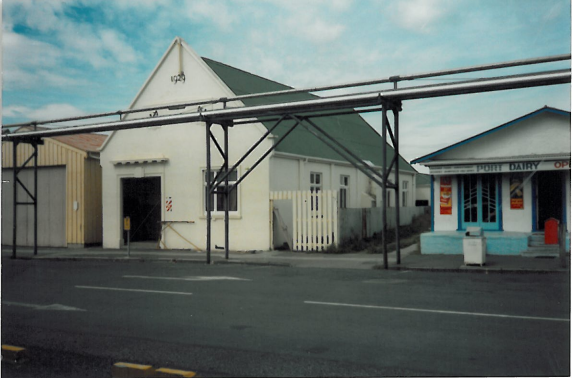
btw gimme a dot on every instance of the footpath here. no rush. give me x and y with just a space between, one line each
410 259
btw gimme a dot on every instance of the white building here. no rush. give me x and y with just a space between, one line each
508 180
422 190
156 175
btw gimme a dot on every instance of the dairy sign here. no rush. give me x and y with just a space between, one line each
524 166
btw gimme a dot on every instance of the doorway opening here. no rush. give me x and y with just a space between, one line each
548 197
142 203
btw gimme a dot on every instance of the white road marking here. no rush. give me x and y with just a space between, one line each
52 307
136 290
440 311
192 278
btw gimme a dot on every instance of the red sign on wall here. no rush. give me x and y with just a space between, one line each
446 197
516 191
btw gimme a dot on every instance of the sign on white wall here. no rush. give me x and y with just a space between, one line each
527 166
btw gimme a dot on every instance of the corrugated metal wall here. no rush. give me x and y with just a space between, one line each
51 207
83 185
93 206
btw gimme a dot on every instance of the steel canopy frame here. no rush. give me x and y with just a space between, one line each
33 197
391 79
321 104
298 111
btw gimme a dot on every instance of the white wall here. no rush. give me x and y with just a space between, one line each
290 172
423 193
568 216
182 180
546 133
185 147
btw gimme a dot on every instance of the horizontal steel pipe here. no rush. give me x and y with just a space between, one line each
425 75
320 104
390 79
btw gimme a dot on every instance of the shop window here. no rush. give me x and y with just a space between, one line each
344 188
480 201
217 200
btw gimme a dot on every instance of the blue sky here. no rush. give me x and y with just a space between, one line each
74 57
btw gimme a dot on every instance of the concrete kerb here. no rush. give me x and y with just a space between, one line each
153 259
286 260
476 270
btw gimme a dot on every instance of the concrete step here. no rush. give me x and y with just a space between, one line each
535 243
542 251
536 237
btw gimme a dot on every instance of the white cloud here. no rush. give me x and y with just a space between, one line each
418 15
311 6
94 44
40 15
47 112
210 11
311 21
314 29
116 45
21 51
28 62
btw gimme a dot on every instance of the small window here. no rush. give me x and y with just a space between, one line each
404 190
315 187
344 188
315 182
217 200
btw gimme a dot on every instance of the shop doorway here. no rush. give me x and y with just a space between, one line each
142 203
548 197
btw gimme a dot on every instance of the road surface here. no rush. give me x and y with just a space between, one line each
79 317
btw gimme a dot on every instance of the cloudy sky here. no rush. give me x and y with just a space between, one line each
74 57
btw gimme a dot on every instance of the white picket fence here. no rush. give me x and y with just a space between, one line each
314 218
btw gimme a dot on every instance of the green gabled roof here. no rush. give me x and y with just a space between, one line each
422 179
350 130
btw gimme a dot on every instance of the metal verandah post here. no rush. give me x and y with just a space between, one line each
384 184
397 194
226 194
208 189
15 196
35 145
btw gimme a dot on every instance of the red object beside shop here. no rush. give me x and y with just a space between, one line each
551 231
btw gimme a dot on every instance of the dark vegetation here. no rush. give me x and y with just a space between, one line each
408 235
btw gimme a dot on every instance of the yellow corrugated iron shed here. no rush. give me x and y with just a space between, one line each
80 157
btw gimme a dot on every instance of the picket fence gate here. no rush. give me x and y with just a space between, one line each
315 218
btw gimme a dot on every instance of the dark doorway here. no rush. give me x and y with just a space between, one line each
549 197
142 202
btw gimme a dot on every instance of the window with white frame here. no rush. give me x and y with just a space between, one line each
315 187
344 190
315 182
217 199
404 190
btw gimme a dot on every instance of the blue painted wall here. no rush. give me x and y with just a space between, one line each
498 243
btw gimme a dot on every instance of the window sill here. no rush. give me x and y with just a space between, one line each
215 216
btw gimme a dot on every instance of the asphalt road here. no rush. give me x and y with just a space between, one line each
78 317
